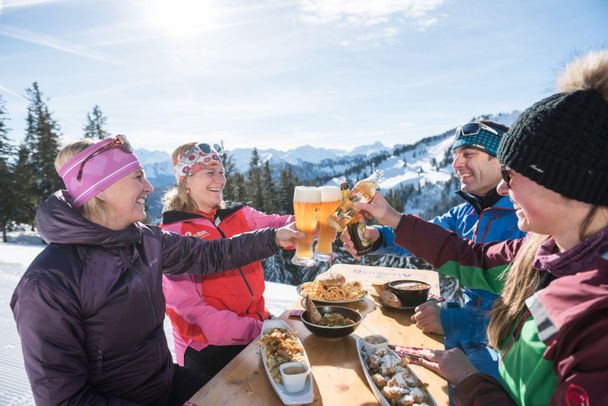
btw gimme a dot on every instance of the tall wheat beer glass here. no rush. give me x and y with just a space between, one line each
306 207
330 200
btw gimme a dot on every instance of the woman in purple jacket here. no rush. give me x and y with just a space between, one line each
90 309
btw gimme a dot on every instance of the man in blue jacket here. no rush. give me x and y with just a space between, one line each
485 216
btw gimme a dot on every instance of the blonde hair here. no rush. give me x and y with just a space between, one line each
522 281
94 209
177 198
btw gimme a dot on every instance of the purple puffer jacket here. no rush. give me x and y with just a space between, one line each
90 307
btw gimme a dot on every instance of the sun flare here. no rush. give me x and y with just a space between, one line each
180 17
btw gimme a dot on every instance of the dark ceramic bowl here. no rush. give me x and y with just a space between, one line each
333 332
410 292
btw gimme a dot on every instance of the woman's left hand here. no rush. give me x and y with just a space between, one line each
287 236
452 364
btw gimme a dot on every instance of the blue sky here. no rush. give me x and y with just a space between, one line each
284 73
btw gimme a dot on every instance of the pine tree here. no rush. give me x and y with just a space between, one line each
287 184
254 181
95 125
42 135
25 196
268 191
231 189
7 203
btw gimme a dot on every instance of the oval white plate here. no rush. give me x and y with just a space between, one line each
303 397
381 399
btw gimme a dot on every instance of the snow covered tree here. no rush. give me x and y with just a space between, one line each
43 139
95 125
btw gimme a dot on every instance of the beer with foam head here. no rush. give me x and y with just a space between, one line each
306 207
330 200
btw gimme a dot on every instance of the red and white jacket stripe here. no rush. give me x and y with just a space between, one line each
222 309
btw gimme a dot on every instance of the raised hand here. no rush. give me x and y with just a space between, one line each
380 210
287 236
371 233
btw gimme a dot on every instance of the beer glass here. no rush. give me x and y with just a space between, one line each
330 200
306 206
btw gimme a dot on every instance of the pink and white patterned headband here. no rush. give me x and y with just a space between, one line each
199 157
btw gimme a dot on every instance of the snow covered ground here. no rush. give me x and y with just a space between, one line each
14 259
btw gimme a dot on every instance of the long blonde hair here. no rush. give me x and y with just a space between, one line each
94 209
522 281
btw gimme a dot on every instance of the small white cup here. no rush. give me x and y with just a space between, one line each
374 343
294 375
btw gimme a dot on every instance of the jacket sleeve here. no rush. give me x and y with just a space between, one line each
580 362
481 390
387 236
258 219
52 338
476 266
193 255
202 321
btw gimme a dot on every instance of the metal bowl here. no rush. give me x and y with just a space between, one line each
332 332
410 296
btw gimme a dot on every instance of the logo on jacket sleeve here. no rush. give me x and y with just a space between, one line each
577 396
199 234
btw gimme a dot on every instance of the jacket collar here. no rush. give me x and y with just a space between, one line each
549 258
175 216
489 200
58 221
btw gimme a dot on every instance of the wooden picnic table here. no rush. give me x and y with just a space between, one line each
338 377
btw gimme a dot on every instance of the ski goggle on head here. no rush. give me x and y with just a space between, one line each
479 136
200 156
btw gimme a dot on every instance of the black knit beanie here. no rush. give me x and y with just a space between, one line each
561 143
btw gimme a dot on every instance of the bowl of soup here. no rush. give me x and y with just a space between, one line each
410 292
337 321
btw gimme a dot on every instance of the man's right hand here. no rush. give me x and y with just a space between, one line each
428 317
371 233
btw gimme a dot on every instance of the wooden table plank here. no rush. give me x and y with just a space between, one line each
338 377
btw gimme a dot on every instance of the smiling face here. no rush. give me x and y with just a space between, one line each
543 211
125 200
206 187
478 172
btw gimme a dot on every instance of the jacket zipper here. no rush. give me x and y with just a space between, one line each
140 275
252 296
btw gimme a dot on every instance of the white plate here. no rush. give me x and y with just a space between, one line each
303 397
381 399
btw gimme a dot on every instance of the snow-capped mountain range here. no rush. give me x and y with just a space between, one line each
422 165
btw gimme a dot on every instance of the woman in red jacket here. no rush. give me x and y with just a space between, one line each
213 318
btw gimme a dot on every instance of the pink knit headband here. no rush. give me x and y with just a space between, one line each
101 169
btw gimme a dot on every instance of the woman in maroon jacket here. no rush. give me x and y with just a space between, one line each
90 309
550 324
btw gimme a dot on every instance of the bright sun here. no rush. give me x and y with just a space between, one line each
180 17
